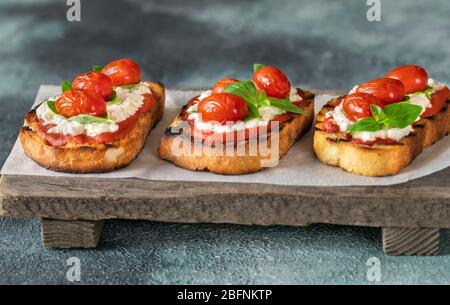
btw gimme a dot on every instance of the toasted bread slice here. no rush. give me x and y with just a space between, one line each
92 158
337 149
235 164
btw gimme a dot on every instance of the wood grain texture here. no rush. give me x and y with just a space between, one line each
423 202
411 241
70 234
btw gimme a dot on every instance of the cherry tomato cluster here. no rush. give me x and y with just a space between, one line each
91 90
387 90
225 107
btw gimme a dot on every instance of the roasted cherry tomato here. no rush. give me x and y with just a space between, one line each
330 126
272 81
414 78
95 83
149 103
438 100
220 86
222 108
386 90
74 102
123 72
357 105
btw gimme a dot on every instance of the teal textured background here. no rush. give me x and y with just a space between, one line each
328 44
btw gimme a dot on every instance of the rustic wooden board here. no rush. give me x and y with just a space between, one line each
411 213
423 202
410 241
70 234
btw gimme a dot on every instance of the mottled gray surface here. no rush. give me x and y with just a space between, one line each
192 43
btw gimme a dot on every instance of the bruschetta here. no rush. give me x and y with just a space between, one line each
98 124
239 127
383 124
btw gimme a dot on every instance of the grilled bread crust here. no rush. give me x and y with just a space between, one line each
98 158
337 149
234 164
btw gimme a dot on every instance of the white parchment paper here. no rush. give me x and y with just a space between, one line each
298 167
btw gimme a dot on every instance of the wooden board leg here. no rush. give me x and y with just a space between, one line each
410 241
70 233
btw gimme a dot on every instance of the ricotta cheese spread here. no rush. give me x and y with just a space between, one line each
130 100
390 133
421 99
267 113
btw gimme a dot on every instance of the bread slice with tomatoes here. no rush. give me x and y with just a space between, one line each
93 151
236 148
353 152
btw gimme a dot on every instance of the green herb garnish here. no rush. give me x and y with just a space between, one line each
52 106
285 105
427 92
257 67
398 115
129 86
65 85
114 99
247 90
97 68
88 119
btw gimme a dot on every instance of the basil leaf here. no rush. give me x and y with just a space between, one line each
114 99
97 68
285 105
65 85
264 102
254 113
400 115
428 92
257 67
262 95
366 124
247 90
52 106
88 119
377 112
128 86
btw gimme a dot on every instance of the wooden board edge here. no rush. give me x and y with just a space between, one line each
411 241
178 202
2 211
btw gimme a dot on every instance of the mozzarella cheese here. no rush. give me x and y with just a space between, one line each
294 96
390 133
353 90
339 118
204 94
131 99
421 99
267 113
